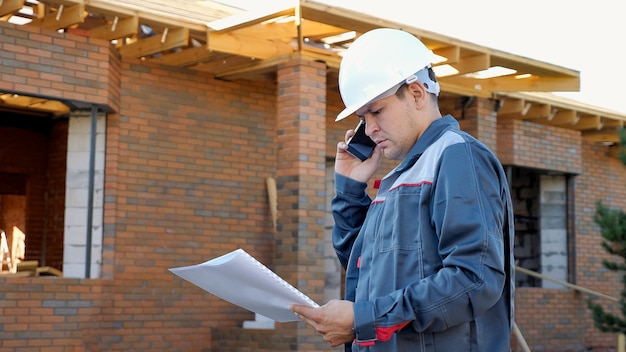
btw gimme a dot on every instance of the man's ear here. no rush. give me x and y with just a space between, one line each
418 93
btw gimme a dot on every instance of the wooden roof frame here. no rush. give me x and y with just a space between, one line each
231 44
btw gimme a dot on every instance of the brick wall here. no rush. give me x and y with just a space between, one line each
186 184
45 63
528 144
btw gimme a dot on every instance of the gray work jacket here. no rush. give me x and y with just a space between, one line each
429 262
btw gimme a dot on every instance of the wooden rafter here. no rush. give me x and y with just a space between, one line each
62 17
10 6
589 122
563 117
239 45
596 125
169 39
117 28
188 57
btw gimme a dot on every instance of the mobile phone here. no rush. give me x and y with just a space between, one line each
360 145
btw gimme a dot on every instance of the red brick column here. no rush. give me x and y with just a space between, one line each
480 120
301 126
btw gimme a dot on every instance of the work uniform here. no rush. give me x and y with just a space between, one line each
429 261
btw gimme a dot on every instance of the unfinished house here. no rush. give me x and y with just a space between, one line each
137 136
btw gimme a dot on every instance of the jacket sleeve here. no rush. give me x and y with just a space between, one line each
349 207
467 214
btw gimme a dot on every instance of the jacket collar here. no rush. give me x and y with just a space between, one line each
432 133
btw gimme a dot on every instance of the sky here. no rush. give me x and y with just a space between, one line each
586 36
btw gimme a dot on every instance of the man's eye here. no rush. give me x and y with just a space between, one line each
376 112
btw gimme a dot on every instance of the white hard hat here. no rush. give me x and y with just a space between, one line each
379 60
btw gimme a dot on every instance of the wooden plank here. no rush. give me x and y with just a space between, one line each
511 106
451 53
606 135
594 122
174 38
512 84
187 57
613 123
157 13
331 58
65 16
115 29
52 106
461 88
269 31
565 283
18 274
563 117
28 265
48 271
317 31
473 63
8 7
247 46
255 68
538 111
249 18
224 64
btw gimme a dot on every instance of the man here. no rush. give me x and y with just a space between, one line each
429 261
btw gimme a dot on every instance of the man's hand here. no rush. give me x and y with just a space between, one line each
334 320
350 166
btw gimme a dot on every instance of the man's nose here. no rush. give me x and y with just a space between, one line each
370 126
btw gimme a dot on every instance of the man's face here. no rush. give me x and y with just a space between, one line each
393 123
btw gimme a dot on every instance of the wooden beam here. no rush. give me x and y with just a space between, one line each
452 53
187 57
246 19
117 28
331 58
473 63
342 18
613 123
52 106
534 83
511 84
594 122
246 46
460 88
269 31
254 67
64 16
511 107
8 7
610 132
169 39
563 117
282 31
605 135
158 17
225 63
538 111
317 31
